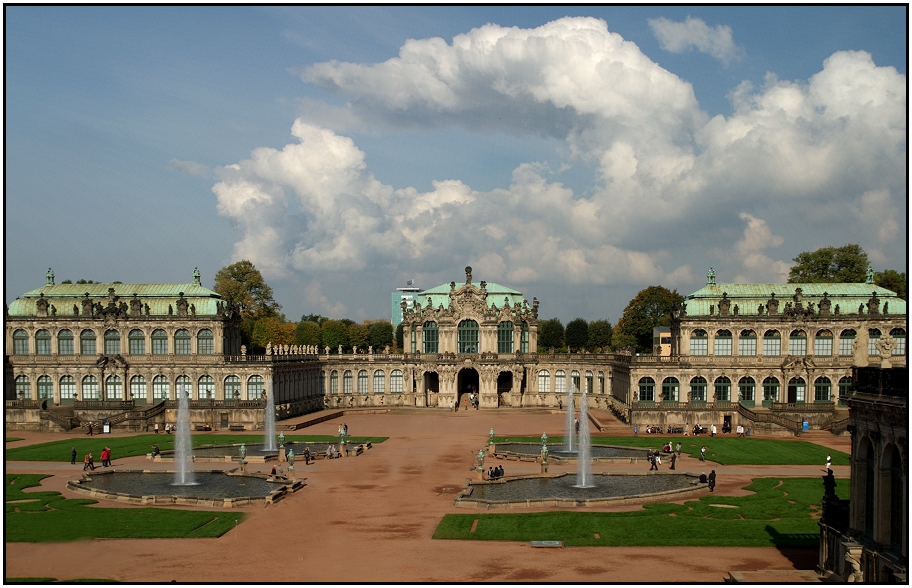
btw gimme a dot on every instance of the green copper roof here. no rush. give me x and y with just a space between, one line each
157 296
749 297
440 295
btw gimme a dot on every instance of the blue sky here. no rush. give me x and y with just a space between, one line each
578 154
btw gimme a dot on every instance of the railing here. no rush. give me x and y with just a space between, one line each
64 421
23 403
103 405
695 405
837 427
769 417
213 403
619 409
803 406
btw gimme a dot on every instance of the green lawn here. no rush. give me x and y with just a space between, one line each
47 516
142 444
723 450
778 515
8 439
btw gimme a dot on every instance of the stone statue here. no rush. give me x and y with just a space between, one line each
193 309
42 305
874 304
269 348
760 309
327 350
736 310
836 310
386 350
196 277
885 345
829 484
243 350
182 305
340 350
861 308
710 277
370 349
146 307
824 305
724 305
87 305
354 350
869 275
170 310
468 271
772 305
712 309
49 278
860 349
53 310
886 304
75 310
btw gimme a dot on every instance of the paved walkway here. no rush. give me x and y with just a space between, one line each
370 519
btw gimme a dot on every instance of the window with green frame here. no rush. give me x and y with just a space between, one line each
20 342
205 344
137 342
524 338
65 342
771 389
670 388
746 387
431 337
43 342
723 389
87 342
112 342
23 388
467 336
505 337
159 342
182 342
698 389
822 388
647 389
845 386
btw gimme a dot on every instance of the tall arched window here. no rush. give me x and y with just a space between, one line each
524 338
232 388
771 389
347 382
845 387
822 390
698 389
798 343
205 344
699 343
601 377
747 343
20 342
67 387
138 388
90 388
362 382
182 342
45 388
746 387
430 337
137 342
846 339
873 336
772 343
161 388
256 388
87 342
65 342
23 388
467 335
796 390
823 343
575 378
589 388
396 382
113 388
544 381
647 389
560 382
723 343
112 342
43 342
670 388
206 387
723 389
334 382
505 337
379 381
159 342
900 336
183 385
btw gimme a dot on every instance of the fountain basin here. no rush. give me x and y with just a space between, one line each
213 488
256 452
536 491
598 453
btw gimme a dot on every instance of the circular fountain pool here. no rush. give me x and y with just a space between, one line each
256 452
561 490
598 453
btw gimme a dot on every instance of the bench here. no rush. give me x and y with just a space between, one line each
369 445
236 428
203 428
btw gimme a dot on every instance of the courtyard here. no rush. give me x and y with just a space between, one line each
371 518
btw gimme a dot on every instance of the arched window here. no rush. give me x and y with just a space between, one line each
822 389
746 387
601 382
20 342
205 344
87 342
772 344
467 334
747 343
698 389
379 381
183 385
159 342
45 388
771 389
431 335
670 388
723 389
845 387
232 388
67 387
256 388
798 343
823 343
334 382
43 342
796 390
647 389
524 338
723 343
362 382
413 337
138 387
505 337
846 339
90 388
161 389
206 387
396 382
589 388
65 342
560 382
575 378
900 336
347 382
699 343
113 388
873 336
544 381
182 342
112 342
137 342
23 388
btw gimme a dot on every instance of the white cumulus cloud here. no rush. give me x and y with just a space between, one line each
695 34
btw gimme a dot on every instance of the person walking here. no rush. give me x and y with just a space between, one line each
156 428
678 448
88 462
673 458
306 455
636 430
829 460
703 453
73 456
712 480
712 431
104 457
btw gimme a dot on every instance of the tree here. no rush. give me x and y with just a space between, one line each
241 283
577 334
358 335
316 318
599 335
273 330
846 264
335 333
650 308
551 334
892 280
381 334
308 333
400 336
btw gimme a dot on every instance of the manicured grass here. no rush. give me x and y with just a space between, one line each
41 517
723 450
8 439
142 444
778 515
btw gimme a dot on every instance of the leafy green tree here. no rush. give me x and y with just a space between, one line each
577 334
599 335
86 282
358 335
399 335
243 284
551 334
650 308
846 264
317 318
308 333
892 280
273 330
381 334
335 333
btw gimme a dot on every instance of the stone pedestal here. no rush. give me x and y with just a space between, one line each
491 448
544 467
343 448
243 467
282 458
479 473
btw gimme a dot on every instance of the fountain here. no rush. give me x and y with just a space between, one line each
269 443
584 462
183 444
568 441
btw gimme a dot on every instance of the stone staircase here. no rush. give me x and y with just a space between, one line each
605 423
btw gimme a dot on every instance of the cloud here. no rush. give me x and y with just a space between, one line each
189 167
694 33
751 252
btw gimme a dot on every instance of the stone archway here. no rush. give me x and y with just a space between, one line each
467 382
504 388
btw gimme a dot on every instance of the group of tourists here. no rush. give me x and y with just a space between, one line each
88 461
495 472
711 479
